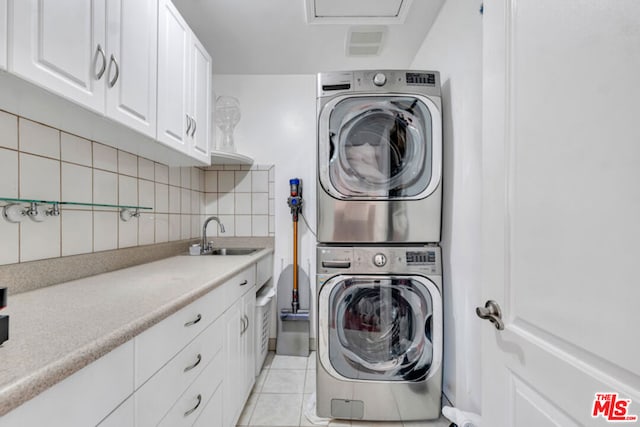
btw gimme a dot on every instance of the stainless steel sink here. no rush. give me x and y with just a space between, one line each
233 251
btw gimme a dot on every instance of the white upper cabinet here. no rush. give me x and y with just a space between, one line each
60 45
200 101
3 34
174 45
132 60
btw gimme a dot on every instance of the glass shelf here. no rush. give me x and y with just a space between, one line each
14 212
53 202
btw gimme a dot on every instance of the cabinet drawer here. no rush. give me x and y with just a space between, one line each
241 283
121 417
264 270
157 395
193 401
84 398
155 346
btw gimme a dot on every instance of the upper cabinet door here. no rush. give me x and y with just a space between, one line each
3 34
200 101
60 45
174 41
132 60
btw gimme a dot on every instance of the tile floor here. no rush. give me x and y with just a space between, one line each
282 391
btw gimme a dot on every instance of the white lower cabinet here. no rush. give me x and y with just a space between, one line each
240 355
195 368
78 400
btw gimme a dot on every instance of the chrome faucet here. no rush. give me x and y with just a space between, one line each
205 247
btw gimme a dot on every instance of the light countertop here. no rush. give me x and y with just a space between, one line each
58 330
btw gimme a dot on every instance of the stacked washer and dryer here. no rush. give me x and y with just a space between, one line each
379 269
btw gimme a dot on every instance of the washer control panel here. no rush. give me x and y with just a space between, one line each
377 260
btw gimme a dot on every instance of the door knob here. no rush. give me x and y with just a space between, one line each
491 311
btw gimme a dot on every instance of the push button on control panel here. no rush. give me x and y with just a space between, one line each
379 260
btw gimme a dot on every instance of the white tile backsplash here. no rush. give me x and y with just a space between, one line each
162 197
9 168
105 231
45 163
146 194
105 188
260 181
226 181
77 184
127 190
39 139
162 228
162 173
77 232
146 169
260 203
211 181
75 150
39 240
243 204
105 157
39 178
8 130
174 176
174 200
146 228
10 247
127 164
243 181
128 233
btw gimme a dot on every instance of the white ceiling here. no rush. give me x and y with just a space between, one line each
273 37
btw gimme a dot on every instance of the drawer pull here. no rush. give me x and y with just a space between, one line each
244 282
190 367
192 410
193 322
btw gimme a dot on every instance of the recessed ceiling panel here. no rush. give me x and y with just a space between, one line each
357 8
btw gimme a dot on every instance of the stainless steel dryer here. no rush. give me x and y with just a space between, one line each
379 335
379 156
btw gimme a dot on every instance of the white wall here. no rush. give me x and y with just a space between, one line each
454 47
278 127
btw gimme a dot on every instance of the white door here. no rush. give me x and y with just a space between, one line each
200 101
561 209
60 45
174 38
3 34
132 53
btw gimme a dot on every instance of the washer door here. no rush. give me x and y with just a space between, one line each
380 328
380 147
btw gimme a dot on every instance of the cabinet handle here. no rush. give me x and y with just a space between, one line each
190 367
244 282
188 124
192 410
113 61
193 322
247 317
195 126
241 326
100 52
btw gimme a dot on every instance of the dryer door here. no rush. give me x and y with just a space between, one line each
380 328
379 147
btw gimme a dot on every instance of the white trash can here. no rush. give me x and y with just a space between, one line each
264 302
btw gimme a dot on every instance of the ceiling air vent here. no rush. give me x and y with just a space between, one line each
365 41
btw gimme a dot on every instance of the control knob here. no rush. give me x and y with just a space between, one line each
379 260
379 79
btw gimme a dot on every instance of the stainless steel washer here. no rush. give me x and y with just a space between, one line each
379 156
379 332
